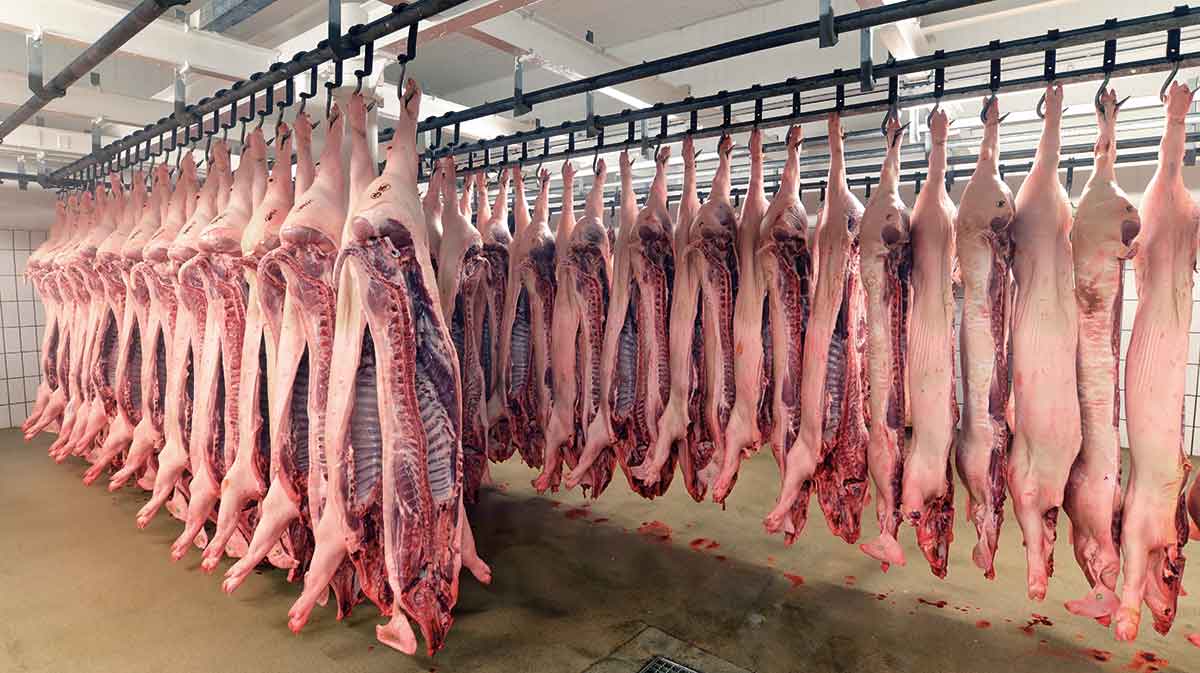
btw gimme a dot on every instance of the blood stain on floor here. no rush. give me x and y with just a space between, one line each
1146 662
577 513
656 530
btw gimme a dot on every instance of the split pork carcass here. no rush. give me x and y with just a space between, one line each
154 314
684 360
752 367
124 379
298 302
692 427
462 278
40 271
528 313
927 490
78 326
1106 223
886 262
99 327
785 263
1154 525
497 240
635 360
46 274
1045 333
983 244
247 477
394 399
213 443
584 266
171 248
105 320
829 449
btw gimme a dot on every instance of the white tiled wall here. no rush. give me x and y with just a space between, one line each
22 320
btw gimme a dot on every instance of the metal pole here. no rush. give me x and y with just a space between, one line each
1182 16
133 23
401 16
867 18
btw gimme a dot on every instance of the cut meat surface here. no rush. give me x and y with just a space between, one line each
829 451
634 362
529 308
744 433
686 357
406 510
584 266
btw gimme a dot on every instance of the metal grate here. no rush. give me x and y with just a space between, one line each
659 664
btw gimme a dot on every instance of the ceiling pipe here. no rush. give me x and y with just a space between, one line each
133 23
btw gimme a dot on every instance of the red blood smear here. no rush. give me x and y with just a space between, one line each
576 513
936 604
881 597
796 580
658 530
1038 620
1146 662
699 544
370 648
983 624
555 504
850 580
602 519
1099 655
720 557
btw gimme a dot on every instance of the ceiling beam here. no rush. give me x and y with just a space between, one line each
904 39
28 140
82 22
573 58
471 19
88 102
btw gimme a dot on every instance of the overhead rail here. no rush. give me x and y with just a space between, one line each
136 147
655 125
43 92
827 27
1074 156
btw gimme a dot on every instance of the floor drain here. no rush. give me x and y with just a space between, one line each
659 664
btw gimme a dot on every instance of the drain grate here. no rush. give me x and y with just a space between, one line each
659 664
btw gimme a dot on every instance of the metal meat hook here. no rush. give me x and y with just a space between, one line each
987 105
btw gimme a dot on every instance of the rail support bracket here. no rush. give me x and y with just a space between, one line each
866 59
520 107
827 33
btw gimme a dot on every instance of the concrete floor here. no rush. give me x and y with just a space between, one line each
576 589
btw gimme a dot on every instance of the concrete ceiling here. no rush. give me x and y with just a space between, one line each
618 22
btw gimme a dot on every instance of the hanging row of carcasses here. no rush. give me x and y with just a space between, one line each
329 394
269 355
